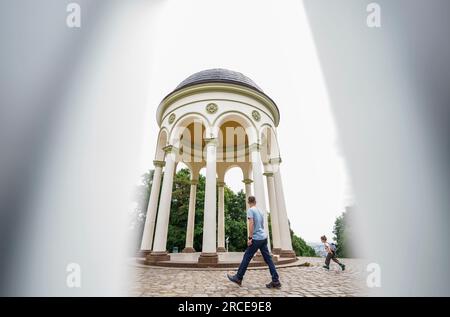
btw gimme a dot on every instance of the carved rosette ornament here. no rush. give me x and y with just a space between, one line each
256 115
211 108
172 118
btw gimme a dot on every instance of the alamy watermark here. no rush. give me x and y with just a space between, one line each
73 19
73 278
374 277
374 17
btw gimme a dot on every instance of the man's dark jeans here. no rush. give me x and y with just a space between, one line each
250 252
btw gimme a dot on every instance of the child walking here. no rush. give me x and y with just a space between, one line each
330 248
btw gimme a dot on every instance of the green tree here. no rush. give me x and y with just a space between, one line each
199 208
343 234
298 244
137 216
179 210
300 247
235 220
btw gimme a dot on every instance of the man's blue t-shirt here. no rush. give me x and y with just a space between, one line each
258 223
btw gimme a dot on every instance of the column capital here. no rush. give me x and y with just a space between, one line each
220 184
211 141
169 149
275 160
254 147
157 163
268 174
194 182
247 181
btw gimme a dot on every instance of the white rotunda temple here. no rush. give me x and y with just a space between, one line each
216 119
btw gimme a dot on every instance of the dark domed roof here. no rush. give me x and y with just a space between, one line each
218 75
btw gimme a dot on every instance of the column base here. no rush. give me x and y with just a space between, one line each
208 258
276 250
287 254
188 250
221 249
158 256
259 258
143 253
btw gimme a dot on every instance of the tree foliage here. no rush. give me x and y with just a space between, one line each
235 220
138 214
300 247
179 210
343 234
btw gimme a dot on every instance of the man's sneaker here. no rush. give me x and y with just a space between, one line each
343 267
273 285
234 279
326 267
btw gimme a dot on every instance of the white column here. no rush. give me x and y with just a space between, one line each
189 248
259 186
221 217
149 227
209 254
285 234
159 251
276 240
248 192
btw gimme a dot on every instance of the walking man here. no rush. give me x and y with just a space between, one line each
257 240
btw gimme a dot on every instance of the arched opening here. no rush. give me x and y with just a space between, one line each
233 178
179 208
191 123
192 143
233 143
269 145
242 120
187 204
162 142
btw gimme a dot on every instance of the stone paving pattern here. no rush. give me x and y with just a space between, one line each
298 281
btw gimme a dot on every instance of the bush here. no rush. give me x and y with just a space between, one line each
300 247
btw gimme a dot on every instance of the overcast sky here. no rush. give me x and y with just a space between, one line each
273 45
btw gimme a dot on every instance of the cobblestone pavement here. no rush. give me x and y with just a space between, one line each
296 281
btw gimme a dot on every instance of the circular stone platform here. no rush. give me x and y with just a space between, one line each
226 260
